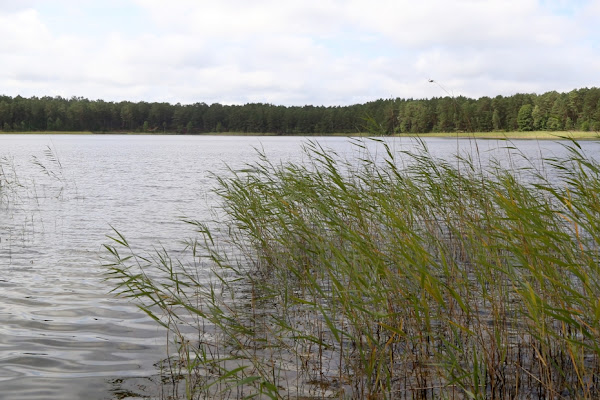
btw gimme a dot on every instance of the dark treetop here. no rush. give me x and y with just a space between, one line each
578 109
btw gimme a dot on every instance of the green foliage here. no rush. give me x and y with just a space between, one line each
402 276
539 121
525 118
444 114
585 126
496 123
553 124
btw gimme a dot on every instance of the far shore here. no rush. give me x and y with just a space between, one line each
535 135
48 133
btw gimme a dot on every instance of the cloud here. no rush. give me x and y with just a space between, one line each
21 32
7 6
295 52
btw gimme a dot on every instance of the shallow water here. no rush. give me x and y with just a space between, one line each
62 334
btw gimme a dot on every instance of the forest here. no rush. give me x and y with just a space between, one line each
578 109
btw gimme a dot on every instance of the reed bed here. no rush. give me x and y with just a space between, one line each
9 181
395 276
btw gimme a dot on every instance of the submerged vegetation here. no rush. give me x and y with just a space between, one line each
396 276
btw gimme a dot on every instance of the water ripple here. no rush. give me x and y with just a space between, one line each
62 334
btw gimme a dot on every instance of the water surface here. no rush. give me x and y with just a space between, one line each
62 334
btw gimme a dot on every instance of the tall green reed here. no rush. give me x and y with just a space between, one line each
394 276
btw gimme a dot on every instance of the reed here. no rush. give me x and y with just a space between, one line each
394 276
9 181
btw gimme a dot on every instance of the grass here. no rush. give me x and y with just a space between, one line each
47 133
397 276
9 181
537 135
546 135
339 134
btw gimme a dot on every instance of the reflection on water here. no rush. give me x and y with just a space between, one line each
62 335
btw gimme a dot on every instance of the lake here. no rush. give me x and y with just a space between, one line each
62 334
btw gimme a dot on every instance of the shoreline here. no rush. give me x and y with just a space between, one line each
534 135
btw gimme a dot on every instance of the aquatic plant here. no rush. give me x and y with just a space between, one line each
400 275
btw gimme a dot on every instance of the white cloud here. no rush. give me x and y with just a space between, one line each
21 32
295 52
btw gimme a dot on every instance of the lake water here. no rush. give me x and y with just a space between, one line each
62 334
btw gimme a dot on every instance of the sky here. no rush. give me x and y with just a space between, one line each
296 52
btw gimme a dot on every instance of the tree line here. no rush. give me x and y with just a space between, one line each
578 109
